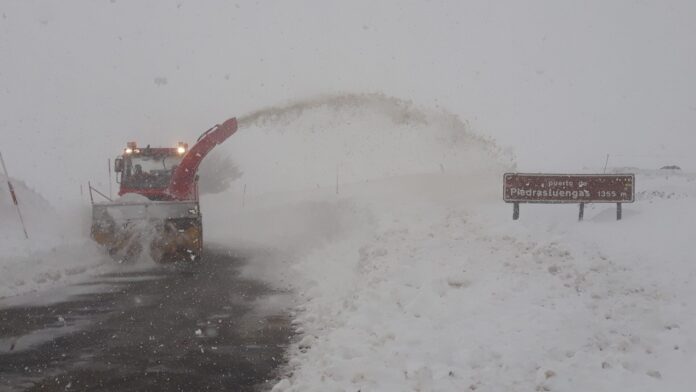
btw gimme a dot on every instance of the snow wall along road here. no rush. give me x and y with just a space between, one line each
57 252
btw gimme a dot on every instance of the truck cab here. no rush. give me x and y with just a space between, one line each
148 171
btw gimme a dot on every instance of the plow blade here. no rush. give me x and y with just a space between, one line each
166 230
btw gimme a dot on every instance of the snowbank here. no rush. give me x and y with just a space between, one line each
444 292
58 251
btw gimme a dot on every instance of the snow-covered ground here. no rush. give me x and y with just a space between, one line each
386 223
421 281
425 283
58 251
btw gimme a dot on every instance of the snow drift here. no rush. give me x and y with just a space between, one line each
450 294
58 251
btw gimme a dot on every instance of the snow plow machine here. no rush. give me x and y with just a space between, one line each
158 207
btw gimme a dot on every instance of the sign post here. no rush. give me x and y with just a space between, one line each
111 196
618 211
568 188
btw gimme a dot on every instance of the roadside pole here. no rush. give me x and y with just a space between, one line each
111 195
605 164
14 196
618 211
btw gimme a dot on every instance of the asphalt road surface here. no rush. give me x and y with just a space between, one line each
177 327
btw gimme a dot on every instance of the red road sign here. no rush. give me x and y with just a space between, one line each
568 188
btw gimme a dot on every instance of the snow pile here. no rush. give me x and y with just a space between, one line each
58 251
447 293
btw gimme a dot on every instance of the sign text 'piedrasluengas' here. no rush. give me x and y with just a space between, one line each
569 188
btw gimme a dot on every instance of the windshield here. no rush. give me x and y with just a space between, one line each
150 171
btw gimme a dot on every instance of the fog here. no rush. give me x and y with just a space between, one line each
561 83
362 191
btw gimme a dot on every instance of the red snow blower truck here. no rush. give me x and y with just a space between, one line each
158 207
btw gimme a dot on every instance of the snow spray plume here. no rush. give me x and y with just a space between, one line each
401 112
308 143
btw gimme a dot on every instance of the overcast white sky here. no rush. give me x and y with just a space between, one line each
562 82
